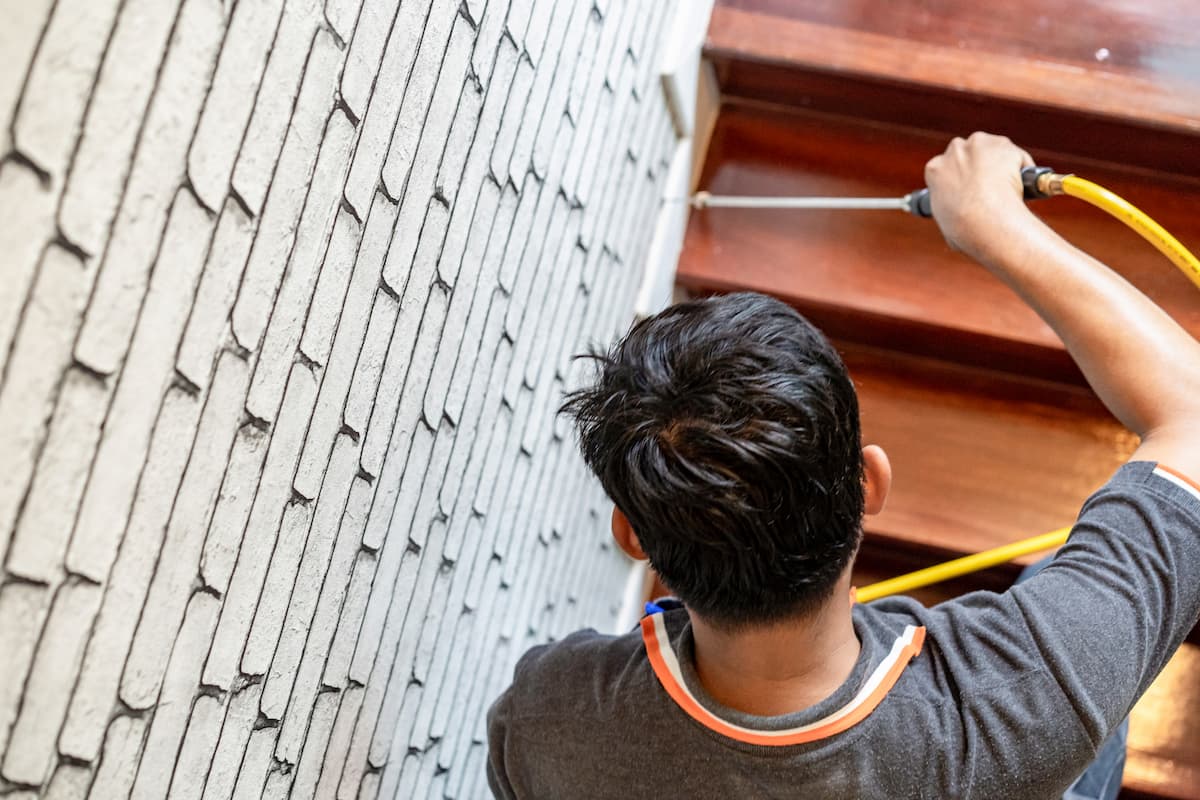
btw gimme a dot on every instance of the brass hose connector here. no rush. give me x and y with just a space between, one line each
1050 184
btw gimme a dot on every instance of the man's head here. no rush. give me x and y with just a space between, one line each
726 431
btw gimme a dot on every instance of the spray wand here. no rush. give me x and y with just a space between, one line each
915 203
1039 183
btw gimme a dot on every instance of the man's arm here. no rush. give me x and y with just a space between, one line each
1105 616
1140 362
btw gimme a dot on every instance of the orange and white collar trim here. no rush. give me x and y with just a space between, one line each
666 667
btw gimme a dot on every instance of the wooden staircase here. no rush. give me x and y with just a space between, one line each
992 432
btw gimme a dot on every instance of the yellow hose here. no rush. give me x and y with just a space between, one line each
1166 244
961 566
1132 216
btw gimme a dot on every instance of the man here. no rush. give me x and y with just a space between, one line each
726 432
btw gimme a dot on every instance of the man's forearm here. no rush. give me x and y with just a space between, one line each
1140 362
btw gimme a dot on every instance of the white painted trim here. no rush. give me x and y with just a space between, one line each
633 599
708 105
679 65
669 227
687 85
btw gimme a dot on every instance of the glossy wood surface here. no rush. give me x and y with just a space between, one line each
1155 39
1021 71
888 278
1028 71
978 460
1163 751
1129 140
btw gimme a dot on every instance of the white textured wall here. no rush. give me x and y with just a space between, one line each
289 294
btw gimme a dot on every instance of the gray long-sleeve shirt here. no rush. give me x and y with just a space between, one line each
1010 696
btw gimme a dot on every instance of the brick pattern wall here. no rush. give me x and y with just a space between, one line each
290 291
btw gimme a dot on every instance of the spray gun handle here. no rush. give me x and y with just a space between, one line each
918 201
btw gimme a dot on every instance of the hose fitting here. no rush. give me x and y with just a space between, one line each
1036 184
1049 184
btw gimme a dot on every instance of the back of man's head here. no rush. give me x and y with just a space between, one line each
727 431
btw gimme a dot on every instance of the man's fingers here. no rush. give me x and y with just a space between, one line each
931 167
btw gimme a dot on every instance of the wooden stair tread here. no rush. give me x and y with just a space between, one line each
898 61
1163 751
979 459
1150 38
889 278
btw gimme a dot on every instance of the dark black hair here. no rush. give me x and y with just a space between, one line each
727 431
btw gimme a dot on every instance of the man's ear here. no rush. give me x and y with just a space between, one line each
877 478
626 539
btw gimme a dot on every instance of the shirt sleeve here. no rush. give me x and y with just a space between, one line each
1119 598
497 728
507 764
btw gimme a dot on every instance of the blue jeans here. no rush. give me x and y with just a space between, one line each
1101 780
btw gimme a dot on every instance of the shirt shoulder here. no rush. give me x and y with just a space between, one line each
586 674
1156 483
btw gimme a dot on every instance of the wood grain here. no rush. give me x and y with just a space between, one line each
1163 751
985 50
1153 38
1018 69
978 460
885 277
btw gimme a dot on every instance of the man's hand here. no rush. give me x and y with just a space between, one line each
1143 365
975 191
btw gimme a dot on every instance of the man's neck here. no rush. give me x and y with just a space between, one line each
780 668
